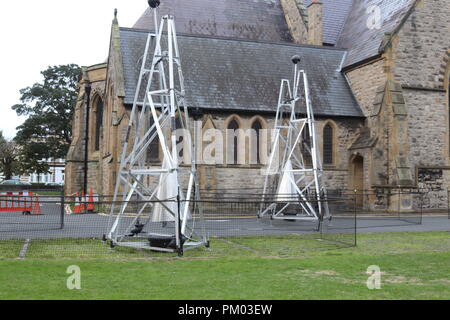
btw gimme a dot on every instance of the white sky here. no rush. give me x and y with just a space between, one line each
35 34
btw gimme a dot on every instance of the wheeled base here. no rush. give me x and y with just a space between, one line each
161 243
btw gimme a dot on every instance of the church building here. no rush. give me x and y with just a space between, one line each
379 80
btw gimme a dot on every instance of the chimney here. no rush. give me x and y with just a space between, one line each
315 23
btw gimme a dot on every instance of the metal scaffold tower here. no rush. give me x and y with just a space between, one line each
157 207
293 189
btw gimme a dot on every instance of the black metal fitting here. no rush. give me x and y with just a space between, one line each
154 3
296 59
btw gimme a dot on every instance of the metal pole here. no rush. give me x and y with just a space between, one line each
62 208
179 233
355 231
448 203
421 208
86 135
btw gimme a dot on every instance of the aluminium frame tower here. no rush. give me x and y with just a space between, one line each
157 119
293 179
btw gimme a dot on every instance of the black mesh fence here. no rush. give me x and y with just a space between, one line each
448 204
59 226
381 207
23 213
45 223
236 222
385 207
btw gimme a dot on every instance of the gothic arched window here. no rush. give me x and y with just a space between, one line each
257 127
98 122
328 144
233 126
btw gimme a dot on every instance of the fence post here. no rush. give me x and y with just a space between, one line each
180 235
62 208
319 226
355 218
421 207
448 203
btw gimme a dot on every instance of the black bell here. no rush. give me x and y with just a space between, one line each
296 59
154 3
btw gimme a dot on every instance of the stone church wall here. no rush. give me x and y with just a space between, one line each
421 53
420 50
75 159
421 45
365 81
436 184
249 177
427 127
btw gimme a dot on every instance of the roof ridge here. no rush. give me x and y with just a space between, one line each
290 44
345 23
363 43
400 24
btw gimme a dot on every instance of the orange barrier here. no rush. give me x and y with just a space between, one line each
36 206
20 202
83 203
91 205
77 207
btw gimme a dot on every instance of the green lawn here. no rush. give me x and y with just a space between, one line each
413 265
49 193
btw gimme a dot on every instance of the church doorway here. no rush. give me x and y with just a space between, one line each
357 178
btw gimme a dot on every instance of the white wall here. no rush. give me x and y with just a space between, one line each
57 173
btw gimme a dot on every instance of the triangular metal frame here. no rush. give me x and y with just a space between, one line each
290 180
164 89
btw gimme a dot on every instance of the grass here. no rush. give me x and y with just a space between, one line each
49 193
413 265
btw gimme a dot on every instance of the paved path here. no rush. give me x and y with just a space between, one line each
16 226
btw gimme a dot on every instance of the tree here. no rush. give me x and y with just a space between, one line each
49 106
30 159
8 157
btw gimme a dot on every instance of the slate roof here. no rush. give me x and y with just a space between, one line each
335 14
364 42
230 75
241 19
345 21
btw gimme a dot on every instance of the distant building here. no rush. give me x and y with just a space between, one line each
56 174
